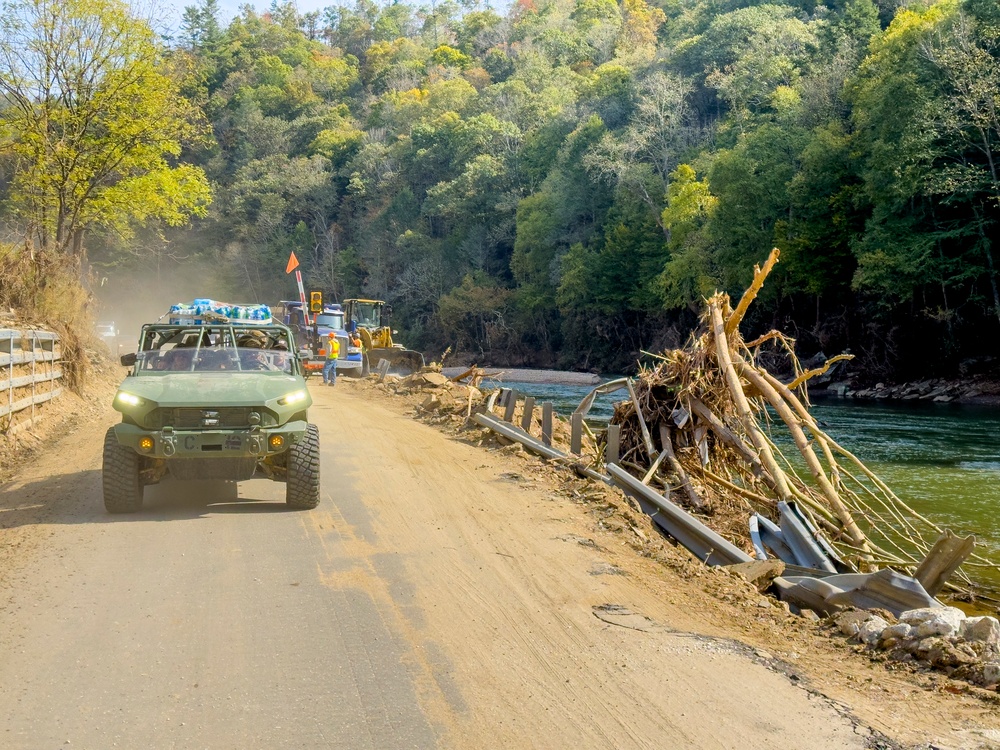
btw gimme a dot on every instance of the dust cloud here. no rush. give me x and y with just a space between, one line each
133 297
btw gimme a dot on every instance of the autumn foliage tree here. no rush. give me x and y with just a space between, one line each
92 126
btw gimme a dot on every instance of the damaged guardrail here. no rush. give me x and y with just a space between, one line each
815 576
29 375
700 540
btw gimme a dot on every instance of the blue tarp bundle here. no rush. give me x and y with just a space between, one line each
184 312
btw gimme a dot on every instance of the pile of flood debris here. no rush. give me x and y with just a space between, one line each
727 460
438 397
737 442
966 648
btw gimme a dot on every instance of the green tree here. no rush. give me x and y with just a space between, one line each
91 124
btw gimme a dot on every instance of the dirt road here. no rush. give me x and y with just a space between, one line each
436 598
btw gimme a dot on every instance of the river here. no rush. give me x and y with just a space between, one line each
941 459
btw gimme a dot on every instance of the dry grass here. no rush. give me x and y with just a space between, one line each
40 289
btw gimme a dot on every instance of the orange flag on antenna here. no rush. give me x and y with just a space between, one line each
293 263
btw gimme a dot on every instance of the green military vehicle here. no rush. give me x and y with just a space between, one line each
212 398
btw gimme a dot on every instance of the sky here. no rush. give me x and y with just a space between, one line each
231 8
174 9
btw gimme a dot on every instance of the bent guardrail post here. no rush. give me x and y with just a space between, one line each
576 434
804 546
948 552
510 405
701 541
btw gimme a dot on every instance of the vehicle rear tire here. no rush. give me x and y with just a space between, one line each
120 476
302 479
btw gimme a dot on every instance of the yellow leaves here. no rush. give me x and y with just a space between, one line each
170 194
689 201
413 96
640 24
450 57
98 149
337 143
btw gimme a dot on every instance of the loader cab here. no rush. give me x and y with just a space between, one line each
365 313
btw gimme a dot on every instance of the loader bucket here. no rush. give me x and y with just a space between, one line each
401 361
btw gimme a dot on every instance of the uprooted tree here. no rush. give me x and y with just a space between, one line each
718 413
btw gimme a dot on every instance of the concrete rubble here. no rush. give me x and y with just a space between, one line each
944 638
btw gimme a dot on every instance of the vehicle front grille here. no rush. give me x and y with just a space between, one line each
201 418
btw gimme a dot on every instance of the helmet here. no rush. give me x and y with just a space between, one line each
333 335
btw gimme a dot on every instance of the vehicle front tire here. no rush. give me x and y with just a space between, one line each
120 475
302 480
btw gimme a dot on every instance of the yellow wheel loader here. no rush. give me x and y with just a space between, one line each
370 317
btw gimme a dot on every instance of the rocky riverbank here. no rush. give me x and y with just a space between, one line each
976 391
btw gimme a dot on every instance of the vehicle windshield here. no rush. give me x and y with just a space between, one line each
216 349
331 320
367 314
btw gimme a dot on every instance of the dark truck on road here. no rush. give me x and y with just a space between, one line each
216 399
314 336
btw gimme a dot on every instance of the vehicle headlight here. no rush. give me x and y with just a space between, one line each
128 399
292 398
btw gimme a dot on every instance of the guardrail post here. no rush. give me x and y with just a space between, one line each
34 373
576 434
508 412
528 414
10 382
35 384
613 445
547 422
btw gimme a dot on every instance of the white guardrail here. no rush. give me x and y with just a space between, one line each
29 375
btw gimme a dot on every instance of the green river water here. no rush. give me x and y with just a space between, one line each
943 460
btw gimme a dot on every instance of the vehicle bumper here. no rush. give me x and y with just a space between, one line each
231 443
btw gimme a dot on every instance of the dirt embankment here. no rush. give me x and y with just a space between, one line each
62 415
919 708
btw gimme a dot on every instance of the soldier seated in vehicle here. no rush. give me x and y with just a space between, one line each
251 356
179 360
213 360
281 359
253 359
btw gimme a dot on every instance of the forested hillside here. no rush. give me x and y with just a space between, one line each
561 183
